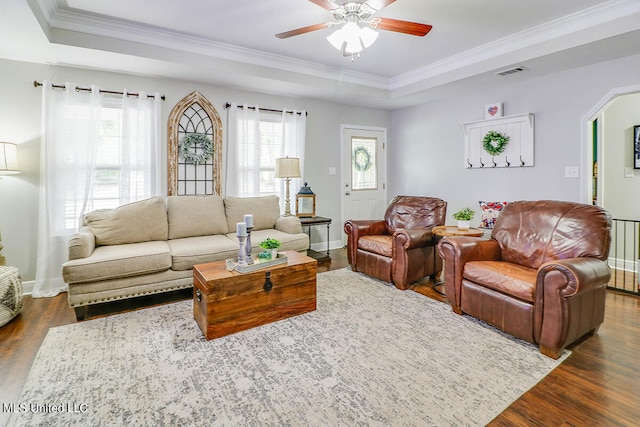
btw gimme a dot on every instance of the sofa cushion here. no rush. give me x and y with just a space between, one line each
187 252
265 210
510 279
114 261
142 221
191 216
381 244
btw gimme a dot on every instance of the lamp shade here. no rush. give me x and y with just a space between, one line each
288 167
8 159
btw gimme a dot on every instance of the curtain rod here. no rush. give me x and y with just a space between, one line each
306 113
86 89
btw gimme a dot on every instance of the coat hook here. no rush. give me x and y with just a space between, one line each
481 163
521 161
506 160
469 163
494 162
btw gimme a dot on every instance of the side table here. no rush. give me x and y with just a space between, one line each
449 230
309 222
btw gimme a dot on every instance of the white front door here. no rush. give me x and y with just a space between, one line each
364 173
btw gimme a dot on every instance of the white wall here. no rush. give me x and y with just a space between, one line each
20 123
426 143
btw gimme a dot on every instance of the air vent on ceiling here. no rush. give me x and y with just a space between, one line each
510 71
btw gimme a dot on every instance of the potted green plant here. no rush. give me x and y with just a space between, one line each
464 216
269 248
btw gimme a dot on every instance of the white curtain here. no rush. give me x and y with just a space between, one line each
294 127
71 124
141 136
244 150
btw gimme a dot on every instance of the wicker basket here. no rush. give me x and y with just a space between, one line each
10 294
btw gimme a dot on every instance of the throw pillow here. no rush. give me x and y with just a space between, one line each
142 221
191 216
265 211
490 213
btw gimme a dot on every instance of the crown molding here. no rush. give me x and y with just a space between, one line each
60 23
72 20
562 27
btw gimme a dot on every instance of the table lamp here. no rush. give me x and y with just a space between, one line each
287 168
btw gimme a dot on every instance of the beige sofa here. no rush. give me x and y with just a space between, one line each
151 246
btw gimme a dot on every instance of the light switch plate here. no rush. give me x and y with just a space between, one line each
571 172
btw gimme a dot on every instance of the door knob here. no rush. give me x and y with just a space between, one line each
348 193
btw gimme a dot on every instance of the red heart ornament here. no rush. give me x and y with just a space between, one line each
493 110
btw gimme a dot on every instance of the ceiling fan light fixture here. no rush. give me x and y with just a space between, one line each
353 46
368 36
336 39
351 31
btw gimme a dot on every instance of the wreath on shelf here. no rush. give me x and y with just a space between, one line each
494 142
188 144
361 159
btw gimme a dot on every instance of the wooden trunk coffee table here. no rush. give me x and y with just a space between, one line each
225 302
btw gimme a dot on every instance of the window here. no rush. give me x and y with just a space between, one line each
364 164
97 151
256 139
120 173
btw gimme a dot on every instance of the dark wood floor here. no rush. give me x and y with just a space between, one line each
598 385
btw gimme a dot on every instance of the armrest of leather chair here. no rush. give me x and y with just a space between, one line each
578 275
456 252
567 301
358 228
413 237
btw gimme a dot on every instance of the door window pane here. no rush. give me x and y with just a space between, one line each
364 165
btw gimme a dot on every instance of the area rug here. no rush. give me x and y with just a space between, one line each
370 355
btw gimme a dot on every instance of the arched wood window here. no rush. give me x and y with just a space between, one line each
194 114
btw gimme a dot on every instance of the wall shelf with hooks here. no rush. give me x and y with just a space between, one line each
517 153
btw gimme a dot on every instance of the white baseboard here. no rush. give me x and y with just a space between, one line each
623 264
27 287
322 246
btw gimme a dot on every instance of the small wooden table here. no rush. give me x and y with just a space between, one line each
225 302
452 230
317 220
449 230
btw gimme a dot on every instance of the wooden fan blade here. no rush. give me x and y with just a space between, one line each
303 30
406 27
379 4
326 4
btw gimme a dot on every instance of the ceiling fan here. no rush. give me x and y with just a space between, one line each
351 38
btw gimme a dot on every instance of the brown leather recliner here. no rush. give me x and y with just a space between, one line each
401 248
541 277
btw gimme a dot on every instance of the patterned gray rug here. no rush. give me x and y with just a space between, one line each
369 355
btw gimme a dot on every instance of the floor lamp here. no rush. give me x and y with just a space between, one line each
8 166
287 168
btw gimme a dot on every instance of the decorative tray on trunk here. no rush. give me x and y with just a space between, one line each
258 263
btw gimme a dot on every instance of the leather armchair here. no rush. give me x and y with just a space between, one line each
541 277
401 248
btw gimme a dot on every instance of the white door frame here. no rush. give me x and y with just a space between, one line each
586 141
383 178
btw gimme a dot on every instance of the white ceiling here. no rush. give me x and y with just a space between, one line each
232 42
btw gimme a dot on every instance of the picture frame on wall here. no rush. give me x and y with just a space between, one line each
636 147
493 111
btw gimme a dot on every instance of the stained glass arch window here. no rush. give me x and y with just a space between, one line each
194 123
